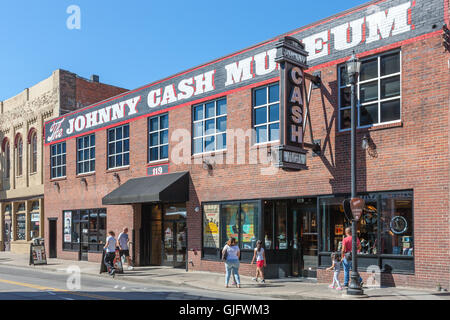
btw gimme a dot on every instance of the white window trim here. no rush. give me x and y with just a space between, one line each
268 123
115 141
203 121
159 145
84 160
379 100
58 166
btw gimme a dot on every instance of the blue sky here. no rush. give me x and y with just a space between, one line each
132 43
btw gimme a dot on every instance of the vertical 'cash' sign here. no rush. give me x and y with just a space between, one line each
291 56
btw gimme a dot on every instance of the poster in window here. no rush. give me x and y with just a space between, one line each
67 226
248 226
211 226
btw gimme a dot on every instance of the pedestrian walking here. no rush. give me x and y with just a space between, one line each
124 247
110 248
347 255
260 257
231 254
336 267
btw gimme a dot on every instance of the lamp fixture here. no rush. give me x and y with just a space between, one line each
365 142
116 177
83 181
353 67
207 165
56 186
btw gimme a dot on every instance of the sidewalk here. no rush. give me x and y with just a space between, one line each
289 288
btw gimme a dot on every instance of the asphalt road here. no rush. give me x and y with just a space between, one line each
28 284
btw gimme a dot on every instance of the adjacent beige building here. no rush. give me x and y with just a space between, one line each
22 119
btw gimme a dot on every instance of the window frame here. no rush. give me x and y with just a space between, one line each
33 153
209 253
108 142
19 157
203 121
379 100
7 163
76 246
63 155
78 161
267 123
158 131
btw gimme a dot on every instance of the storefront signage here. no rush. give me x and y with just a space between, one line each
357 206
291 56
366 28
211 216
68 226
37 254
157 170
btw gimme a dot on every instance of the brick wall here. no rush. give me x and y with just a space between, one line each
413 154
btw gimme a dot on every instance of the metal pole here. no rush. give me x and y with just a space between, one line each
354 287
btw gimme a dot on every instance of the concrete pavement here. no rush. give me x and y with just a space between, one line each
289 288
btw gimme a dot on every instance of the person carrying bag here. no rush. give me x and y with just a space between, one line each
230 255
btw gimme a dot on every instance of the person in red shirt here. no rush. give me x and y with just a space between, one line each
347 253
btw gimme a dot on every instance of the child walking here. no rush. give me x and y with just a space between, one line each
336 267
260 257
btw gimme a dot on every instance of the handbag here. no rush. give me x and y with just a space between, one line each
224 255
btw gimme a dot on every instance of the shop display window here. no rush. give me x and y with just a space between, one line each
385 227
20 226
268 224
397 224
281 241
84 226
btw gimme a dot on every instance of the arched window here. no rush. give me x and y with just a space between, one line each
33 152
19 155
7 160
6 157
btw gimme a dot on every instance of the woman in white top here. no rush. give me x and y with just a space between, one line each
260 257
231 254
110 254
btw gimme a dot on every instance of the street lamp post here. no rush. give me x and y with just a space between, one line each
353 68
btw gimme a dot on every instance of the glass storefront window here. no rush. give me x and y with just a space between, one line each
230 224
84 227
249 223
334 223
20 226
397 224
386 216
368 228
268 224
281 227
211 226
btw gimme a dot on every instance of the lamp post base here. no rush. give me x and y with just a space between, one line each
354 288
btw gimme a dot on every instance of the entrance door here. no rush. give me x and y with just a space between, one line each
304 249
84 239
52 238
174 243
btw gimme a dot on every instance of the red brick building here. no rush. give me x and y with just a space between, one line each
218 151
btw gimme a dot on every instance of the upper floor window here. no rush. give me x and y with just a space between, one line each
33 151
210 126
6 158
266 113
58 160
378 91
119 146
19 156
158 140
86 154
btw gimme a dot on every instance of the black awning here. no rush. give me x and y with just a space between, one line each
173 187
